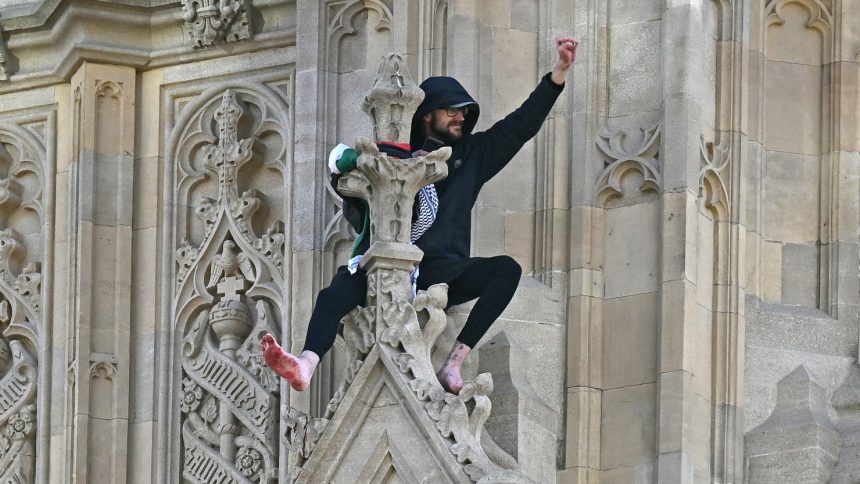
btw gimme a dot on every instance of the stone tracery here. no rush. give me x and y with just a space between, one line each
229 290
21 157
620 159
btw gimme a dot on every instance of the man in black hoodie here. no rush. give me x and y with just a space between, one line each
449 114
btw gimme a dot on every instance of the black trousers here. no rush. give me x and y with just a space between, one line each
492 280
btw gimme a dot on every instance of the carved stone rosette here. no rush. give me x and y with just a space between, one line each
229 287
208 22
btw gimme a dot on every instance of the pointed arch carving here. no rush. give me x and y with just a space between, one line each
820 17
228 156
109 89
623 153
342 21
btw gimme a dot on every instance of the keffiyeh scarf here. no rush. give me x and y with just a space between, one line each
428 205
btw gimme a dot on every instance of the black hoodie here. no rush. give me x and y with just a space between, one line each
475 159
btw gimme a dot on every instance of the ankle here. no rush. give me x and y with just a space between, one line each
455 359
311 359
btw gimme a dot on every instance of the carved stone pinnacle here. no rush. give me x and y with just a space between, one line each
392 100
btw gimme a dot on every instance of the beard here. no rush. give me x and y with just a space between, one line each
446 129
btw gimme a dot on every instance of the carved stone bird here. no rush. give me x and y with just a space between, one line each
228 264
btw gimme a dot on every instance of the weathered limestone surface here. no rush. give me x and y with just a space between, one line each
798 442
846 400
687 221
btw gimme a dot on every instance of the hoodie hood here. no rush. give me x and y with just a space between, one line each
442 92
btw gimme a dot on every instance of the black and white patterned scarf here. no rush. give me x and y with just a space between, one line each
428 205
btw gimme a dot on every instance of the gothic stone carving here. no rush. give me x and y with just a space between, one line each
459 418
208 22
820 17
17 412
624 152
715 159
229 284
22 165
25 159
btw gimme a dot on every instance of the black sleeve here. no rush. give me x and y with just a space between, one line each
352 207
505 138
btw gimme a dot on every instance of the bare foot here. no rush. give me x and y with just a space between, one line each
296 370
450 380
449 375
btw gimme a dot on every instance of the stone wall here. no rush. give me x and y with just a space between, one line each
687 221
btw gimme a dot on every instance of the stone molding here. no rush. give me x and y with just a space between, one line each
151 39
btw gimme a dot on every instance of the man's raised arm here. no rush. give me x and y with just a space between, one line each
507 136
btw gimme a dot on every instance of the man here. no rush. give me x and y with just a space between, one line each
442 226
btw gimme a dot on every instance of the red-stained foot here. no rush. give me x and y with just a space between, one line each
297 370
450 380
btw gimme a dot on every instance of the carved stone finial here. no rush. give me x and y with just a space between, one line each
208 22
230 153
393 100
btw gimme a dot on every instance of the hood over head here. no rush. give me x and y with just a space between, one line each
442 92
